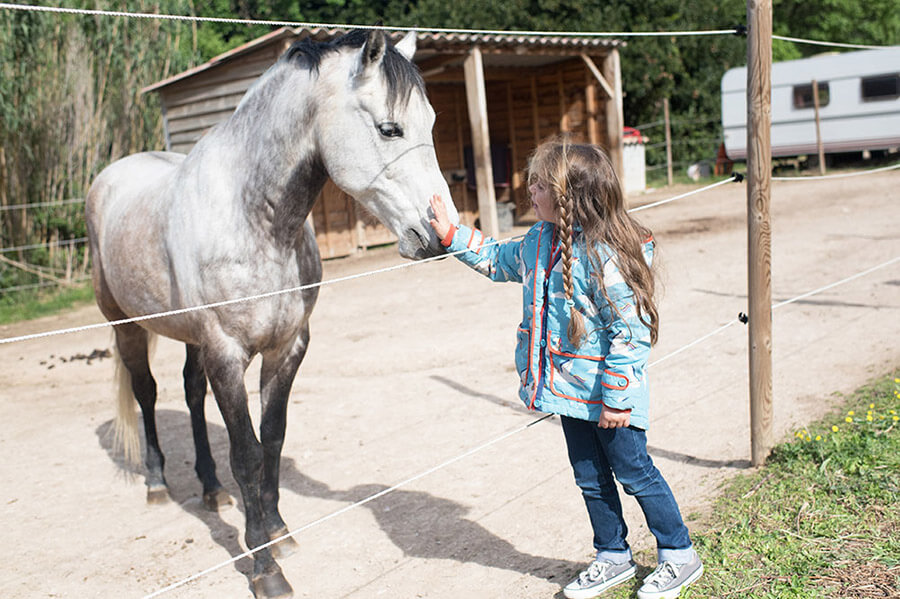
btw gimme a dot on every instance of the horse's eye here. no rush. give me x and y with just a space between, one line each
390 129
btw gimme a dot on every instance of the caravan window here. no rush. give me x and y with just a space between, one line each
882 87
803 95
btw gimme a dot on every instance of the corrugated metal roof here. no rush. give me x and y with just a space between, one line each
428 43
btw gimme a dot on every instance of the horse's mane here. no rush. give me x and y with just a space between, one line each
402 76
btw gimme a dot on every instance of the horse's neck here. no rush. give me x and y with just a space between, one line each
279 173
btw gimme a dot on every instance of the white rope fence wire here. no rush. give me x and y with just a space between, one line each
839 175
493 441
46 244
299 288
314 25
800 40
41 204
438 30
736 177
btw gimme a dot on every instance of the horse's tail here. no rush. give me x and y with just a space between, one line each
127 438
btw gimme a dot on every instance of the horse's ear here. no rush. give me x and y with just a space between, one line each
373 50
407 46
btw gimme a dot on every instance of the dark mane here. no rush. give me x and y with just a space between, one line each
402 76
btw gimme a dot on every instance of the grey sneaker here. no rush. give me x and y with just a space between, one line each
669 578
598 577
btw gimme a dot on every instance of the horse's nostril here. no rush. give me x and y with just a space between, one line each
418 238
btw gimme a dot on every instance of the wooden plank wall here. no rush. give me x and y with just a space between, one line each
194 106
525 107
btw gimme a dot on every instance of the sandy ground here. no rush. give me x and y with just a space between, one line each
411 369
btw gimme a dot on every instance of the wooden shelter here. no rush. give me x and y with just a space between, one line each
496 97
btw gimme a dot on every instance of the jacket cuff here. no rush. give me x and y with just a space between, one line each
448 238
615 385
617 410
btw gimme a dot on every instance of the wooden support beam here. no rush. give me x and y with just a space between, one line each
759 229
615 118
476 98
590 102
610 93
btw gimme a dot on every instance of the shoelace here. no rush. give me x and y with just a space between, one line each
665 573
594 571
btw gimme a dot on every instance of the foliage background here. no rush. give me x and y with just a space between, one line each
70 99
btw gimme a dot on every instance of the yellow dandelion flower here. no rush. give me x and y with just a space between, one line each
896 418
869 418
808 438
871 406
897 380
818 437
850 413
892 411
834 428
848 419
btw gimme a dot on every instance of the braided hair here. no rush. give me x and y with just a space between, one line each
587 191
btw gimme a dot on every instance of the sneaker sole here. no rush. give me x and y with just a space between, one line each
597 590
673 593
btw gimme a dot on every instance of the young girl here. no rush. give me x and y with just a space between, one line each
588 322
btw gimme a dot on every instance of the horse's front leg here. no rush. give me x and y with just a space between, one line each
276 377
225 367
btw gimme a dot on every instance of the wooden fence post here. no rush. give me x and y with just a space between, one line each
668 141
820 147
759 179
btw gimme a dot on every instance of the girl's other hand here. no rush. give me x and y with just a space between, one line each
441 222
610 418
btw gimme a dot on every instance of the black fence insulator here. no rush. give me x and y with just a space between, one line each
738 177
740 30
743 317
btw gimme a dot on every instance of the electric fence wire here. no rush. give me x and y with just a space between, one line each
437 30
493 441
303 287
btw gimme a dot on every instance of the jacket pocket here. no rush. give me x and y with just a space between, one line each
574 375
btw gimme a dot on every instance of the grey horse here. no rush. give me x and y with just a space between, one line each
229 220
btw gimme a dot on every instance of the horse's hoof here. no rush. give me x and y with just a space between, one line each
285 547
157 495
218 500
271 586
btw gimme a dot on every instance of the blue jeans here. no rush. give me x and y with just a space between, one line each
596 454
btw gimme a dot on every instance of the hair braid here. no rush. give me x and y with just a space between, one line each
565 225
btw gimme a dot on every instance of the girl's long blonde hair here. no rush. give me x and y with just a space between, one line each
584 183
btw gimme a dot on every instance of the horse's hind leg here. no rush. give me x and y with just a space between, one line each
214 496
132 343
276 379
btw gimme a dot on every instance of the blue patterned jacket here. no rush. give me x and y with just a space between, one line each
610 366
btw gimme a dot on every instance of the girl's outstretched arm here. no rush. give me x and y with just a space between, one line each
498 262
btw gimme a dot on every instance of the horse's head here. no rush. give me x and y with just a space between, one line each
374 133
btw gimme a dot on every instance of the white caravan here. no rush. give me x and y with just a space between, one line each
859 104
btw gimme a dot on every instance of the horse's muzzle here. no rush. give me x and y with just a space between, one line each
417 245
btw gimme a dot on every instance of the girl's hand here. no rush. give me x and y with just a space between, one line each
441 222
610 418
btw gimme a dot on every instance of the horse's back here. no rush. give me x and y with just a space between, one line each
129 177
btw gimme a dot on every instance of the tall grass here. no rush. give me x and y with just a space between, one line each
30 304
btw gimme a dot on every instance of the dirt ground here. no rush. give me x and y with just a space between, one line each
410 369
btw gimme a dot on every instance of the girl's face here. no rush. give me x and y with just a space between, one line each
542 201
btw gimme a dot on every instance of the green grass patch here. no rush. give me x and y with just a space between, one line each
820 519
29 304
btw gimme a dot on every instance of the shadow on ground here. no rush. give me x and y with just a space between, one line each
418 523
